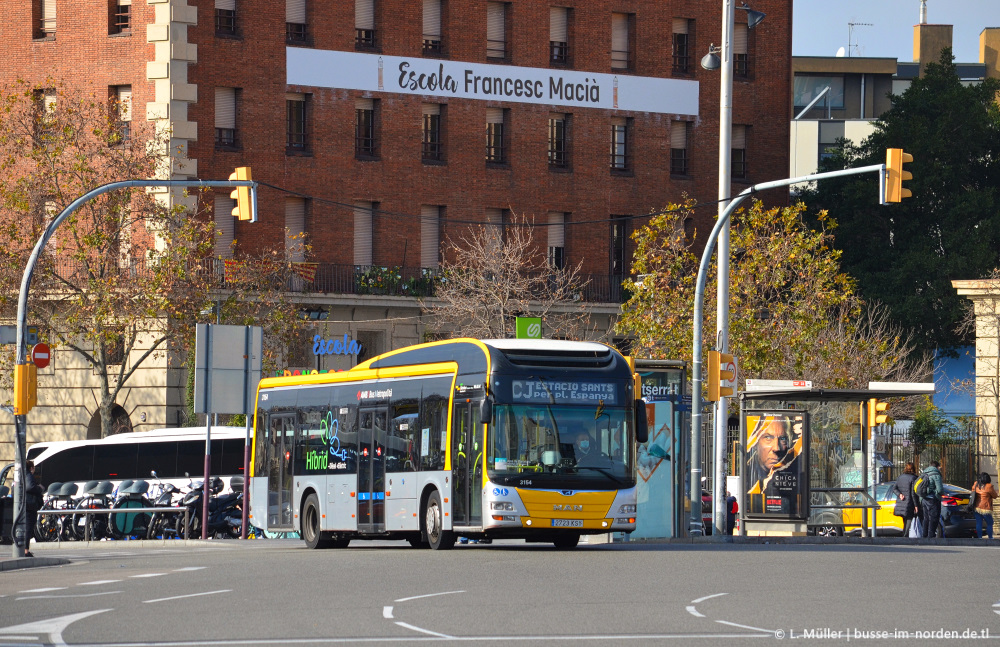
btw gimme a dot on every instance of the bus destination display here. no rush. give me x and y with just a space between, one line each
563 392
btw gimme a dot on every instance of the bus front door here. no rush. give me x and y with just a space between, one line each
467 466
371 469
280 452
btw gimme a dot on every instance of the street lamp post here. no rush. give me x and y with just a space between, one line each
720 58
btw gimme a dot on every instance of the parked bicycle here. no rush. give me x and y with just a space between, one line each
97 496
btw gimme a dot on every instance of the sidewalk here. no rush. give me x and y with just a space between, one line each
9 563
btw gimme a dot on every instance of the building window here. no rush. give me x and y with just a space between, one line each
364 24
120 20
225 118
496 30
45 14
364 216
295 229
121 111
430 235
225 17
365 128
619 144
679 158
831 136
621 41
558 140
496 137
225 226
741 36
432 148
557 240
433 41
559 35
113 346
497 219
298 134
619 247
682 46
295 22
739 151
808 88
46 106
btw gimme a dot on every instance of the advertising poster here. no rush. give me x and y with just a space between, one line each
776 471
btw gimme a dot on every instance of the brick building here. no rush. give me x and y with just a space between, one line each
380 127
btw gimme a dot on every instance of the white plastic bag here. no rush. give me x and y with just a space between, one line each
915 529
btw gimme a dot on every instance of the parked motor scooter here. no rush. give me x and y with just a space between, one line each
221 510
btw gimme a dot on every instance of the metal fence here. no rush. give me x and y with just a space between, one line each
959 454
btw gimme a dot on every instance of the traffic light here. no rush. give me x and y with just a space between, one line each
894 160
244 207
877 412
25 388
720 367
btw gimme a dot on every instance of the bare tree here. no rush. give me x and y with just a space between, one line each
492 274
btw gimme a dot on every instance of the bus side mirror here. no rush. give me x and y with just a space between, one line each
641 427
486 411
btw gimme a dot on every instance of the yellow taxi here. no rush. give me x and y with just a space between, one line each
956 522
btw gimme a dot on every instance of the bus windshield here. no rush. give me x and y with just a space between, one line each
561 446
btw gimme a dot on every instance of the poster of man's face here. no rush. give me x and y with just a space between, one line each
775 469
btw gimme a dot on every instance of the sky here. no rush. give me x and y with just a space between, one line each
820 27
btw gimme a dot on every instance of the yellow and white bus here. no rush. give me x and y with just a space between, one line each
464 437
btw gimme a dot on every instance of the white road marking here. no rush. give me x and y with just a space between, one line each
426 631
429 595
72 595
707 597
694 612
45 590
192 595
148 575
21 637
733 624
53 627
387 612
96 582
189 568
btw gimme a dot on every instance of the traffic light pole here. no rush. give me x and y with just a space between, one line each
695 527
20 530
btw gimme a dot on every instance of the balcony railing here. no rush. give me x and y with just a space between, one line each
329 278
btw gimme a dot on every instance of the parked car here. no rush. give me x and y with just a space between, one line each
825 522
956 522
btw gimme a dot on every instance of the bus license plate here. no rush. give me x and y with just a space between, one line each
567 523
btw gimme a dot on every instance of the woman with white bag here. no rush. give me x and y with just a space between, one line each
906 501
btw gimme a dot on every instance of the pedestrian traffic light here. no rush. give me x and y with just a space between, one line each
877 412
721 368
25 388
894 160
244 207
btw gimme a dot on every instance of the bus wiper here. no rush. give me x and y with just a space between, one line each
603 470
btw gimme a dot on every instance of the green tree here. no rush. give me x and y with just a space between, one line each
930 426
793 313
905 255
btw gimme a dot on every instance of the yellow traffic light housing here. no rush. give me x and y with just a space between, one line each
877 412
895 175
720 367
25 388
244 205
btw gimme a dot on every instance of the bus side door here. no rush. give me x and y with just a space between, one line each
372 432
280 451
467 449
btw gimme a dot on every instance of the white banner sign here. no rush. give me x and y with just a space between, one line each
459 79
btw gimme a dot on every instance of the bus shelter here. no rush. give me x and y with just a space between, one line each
805 454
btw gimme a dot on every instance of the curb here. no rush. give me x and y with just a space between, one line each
18 563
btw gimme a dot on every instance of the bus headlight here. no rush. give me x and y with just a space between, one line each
502 505
628 508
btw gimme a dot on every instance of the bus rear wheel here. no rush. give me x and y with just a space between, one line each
567 541
437 536
311 524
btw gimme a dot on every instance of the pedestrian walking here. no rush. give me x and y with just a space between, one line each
732 508
985 494
32 503
906 506
930 499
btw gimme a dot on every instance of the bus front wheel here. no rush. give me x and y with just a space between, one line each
311 524
437 536
567 541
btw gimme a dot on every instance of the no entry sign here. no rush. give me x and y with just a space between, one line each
40 355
